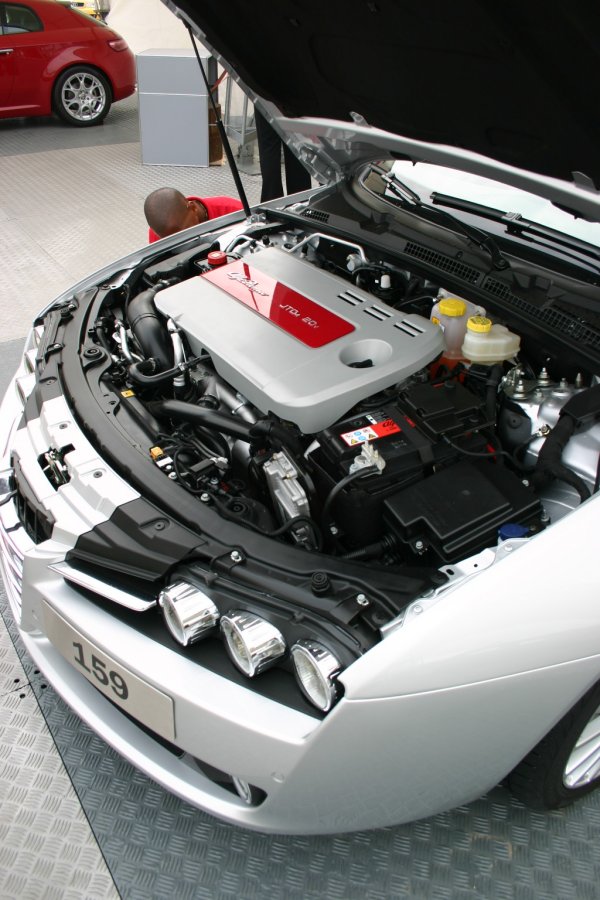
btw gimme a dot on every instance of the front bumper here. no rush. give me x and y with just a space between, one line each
369 763
376 759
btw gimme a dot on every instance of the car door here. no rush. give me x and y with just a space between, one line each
7 66
24 52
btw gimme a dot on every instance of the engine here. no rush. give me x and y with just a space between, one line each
299 387
295 340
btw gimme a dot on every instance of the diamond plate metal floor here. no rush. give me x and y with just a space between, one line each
47 847
65 211
76 821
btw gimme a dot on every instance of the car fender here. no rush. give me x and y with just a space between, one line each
70 57
535 608
424 753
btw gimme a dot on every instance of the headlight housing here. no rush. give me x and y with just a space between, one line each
316 670
252 643
189 613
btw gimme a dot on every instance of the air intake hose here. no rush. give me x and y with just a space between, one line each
198 415
149 329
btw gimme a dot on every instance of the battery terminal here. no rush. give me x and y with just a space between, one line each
368 456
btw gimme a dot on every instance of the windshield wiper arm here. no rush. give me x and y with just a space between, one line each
409 198
523 228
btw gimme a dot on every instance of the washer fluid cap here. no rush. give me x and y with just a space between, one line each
216 258
452 306
512 530
479 324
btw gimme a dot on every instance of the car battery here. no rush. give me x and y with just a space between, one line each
393 434
407 455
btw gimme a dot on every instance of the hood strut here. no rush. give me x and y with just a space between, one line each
226 145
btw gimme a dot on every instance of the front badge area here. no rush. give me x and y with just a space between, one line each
135 696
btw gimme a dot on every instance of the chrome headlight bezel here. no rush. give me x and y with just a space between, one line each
252 642
316 670
189 613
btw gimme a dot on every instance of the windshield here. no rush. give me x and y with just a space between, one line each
426 179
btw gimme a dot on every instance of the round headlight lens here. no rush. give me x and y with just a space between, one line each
316 671
252 643
189 613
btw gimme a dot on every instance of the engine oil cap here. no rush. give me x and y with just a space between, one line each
216 258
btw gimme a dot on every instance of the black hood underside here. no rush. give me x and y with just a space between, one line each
515 81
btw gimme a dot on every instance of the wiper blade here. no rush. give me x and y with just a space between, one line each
524 228
409 198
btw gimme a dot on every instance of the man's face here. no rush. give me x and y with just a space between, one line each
192 213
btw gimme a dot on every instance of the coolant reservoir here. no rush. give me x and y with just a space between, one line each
488 343
451 314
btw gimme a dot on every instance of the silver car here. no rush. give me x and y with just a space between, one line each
300 505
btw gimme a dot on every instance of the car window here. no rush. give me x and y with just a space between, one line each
88 17
17 19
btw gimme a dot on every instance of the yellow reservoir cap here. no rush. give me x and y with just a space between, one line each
452 306
479 324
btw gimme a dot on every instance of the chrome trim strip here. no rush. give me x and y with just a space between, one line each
97 586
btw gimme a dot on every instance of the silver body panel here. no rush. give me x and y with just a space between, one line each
423 702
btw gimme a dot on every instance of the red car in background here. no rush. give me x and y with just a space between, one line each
54 59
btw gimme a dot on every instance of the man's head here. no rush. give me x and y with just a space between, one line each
168 211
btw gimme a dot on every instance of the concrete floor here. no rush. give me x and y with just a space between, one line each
78 822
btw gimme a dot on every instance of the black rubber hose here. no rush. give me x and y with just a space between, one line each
337 488
154 376
569 477
387 543
549 463
149 329
268 431
102 337
491 391
207 418
264 433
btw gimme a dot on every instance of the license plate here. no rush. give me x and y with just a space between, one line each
139 699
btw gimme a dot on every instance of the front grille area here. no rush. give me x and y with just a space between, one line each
12 563
36 521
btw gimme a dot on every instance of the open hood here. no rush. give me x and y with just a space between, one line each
508 90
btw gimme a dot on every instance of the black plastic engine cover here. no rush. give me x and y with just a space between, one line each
444 408
458 511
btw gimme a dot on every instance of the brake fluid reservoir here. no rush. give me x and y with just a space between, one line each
486 342
451 314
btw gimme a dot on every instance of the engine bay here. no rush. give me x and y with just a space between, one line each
300 385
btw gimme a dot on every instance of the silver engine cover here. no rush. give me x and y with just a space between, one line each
295 340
